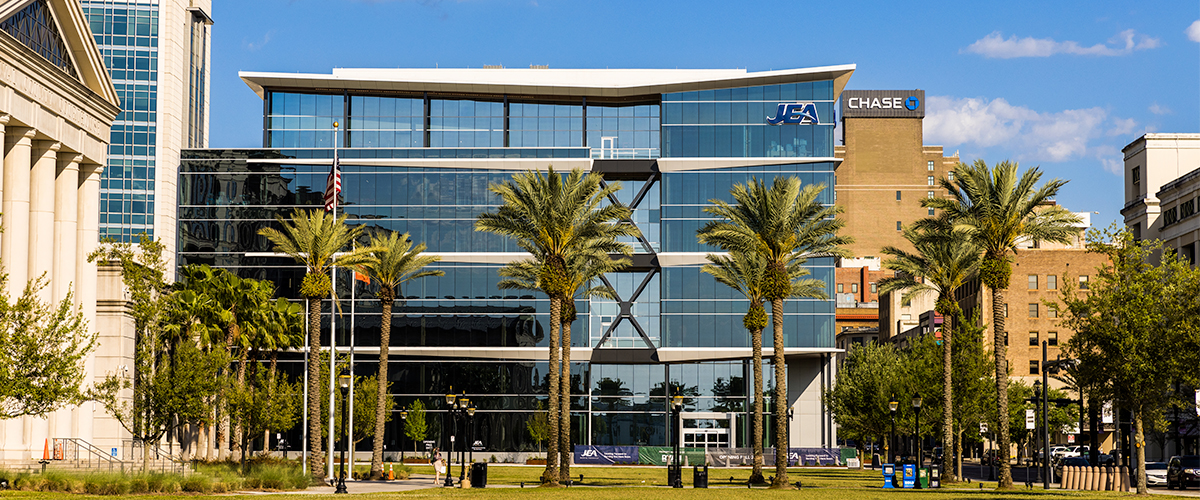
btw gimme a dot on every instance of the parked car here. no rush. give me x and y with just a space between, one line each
1069 462
1156 473
1057 452
937 454
1183 471
1076 451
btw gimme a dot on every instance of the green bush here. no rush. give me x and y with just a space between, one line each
197 483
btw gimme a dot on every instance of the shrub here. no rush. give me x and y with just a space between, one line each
197 483
139 485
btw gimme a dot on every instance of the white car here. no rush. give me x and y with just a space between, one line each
1058 451
1156 473
1076 451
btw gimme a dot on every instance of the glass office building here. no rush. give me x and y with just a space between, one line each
418 151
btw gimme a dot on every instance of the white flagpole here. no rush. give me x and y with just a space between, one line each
350 413
304 425
333 315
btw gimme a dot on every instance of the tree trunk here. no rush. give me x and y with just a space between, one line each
238 429
316 460
550 475
564 428
382 396
958 459
1139 443
781 402
756 476
1000 349
947 399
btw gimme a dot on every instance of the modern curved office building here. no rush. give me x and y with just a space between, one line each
418 149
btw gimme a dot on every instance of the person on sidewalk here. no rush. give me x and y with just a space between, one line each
439 467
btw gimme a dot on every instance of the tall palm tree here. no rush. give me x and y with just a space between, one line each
582 272
997 209
318 241
744 272
942 262
556 218
783 224
393 262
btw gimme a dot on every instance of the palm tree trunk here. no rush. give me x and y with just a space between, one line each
564 429
238 429
550 475
1000 349
948 398
781 402
756 476
316 460
381 400
1139 442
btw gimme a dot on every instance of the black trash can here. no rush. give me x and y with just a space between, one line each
673 473
479 475
875 461
935 476
700 477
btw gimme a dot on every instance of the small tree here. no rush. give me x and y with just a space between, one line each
1136 329
415 426
870 376
538 426
264 402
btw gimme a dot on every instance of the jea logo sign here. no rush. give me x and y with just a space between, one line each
590 453
796 112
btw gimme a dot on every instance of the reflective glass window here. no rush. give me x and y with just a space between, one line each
734 122
534 125
465 123
629 131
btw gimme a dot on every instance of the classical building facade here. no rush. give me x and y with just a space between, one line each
57 103
418 149
1162 183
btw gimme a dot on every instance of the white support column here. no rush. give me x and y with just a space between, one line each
41 213
62 276
14 242
87 236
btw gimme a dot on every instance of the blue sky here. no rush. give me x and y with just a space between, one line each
1063 85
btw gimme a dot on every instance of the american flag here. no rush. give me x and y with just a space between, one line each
333 185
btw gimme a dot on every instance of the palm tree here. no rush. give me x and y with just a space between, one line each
394 261
997 209
744 272
318 241
943 261
556 218
582 272
783 224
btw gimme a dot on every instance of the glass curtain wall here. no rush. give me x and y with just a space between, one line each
733 122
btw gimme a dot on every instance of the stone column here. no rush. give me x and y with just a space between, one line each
41 214
62 281
87 237
14 242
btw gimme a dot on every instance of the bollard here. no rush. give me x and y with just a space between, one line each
1075 473
1124 475
1097 479
1066 479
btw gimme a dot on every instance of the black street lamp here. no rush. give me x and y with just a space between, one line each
916 404
893 405
460 413
677 405
1038 400
471 432
403 423
344 384
450 398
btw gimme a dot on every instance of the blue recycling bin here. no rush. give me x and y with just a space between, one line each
889 476
910 476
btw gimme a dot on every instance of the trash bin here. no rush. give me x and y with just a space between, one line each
479 475
672 474
875 461
935 476
923 478
700 477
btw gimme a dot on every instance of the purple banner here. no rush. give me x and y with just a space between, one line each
606 455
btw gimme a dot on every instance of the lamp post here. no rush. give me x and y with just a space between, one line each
459 414
450 398
344 385
403 423
916 404
893 405
677 405
470 409
1038 400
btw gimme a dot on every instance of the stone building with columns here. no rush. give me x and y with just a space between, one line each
57 105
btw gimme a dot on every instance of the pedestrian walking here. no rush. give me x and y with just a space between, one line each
439 467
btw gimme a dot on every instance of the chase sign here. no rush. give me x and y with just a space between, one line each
883 104
797 112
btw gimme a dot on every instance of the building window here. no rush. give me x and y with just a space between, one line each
929 180
1083 282
898 225
929 194
950 176
929 165
841 288
854 288
1052 338
1051 312
1033 279
1051 282
931 212
1033 338
1005 310
897 195
874 288
1033 367
1033 310
1137 175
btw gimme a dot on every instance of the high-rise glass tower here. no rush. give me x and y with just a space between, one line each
157 52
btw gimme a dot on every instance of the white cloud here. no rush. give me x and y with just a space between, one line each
1193 31
1023 133
1159 109
994 45
259 44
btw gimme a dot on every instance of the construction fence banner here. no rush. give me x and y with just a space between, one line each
606 455
662 455
806 456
